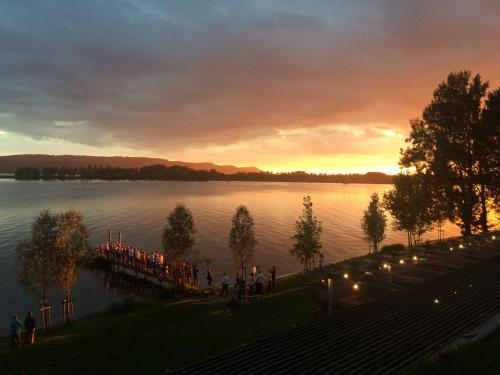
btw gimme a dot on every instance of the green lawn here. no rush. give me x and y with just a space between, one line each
155 335
482 357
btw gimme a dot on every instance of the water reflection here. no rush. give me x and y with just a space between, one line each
123 284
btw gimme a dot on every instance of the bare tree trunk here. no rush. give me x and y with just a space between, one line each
484 211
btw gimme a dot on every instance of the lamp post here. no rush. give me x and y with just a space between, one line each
330 295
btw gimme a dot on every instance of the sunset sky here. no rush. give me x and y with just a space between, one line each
282 85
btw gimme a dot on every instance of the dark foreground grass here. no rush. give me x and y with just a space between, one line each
151 336
482 357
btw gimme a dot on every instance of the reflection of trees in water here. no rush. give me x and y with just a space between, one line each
121 283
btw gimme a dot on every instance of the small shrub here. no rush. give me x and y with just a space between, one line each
125 306
420 249
172 293
395 248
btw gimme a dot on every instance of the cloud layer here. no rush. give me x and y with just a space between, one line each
221 80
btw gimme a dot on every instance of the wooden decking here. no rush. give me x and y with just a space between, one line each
145 269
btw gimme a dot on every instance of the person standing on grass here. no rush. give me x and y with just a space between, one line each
269 285
251 285
15 332
195 274
29 326
210 279
259 280
273 276
225 285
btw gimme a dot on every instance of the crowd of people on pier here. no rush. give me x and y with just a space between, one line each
156 264
151 263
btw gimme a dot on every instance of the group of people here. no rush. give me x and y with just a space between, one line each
156 264
132 256
153 263
16 327
253 285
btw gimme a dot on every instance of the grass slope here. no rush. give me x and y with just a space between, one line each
149 337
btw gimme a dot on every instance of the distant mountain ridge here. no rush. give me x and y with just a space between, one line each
9 163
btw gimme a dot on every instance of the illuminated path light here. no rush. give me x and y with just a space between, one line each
346 275
355 286
401 261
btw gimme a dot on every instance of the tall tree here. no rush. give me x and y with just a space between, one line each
36 263
178 237
488 154
374 222
242 237
307 236
71 246
36 257
411 204
444 144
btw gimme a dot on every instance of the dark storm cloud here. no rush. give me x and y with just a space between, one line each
167 75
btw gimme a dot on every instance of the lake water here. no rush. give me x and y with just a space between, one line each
139 210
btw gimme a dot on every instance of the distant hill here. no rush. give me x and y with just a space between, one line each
9 164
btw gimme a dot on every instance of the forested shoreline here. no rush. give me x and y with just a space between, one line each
180 173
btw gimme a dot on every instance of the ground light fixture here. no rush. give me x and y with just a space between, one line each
346 275
401 261
415 258
493 237
436 301
355 286
385 265
451 249
461 246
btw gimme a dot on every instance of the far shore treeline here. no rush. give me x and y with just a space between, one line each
179 173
